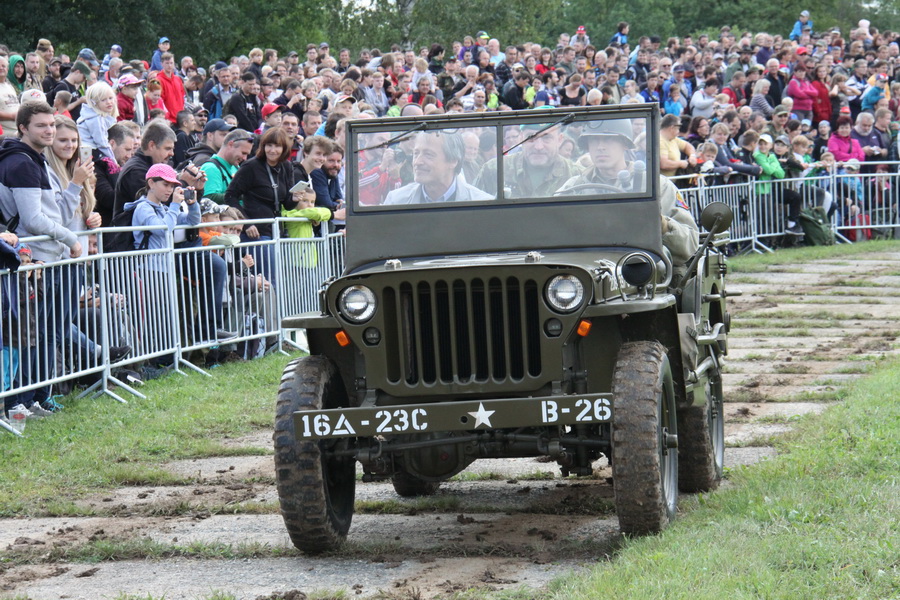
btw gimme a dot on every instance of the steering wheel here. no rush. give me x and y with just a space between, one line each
589 186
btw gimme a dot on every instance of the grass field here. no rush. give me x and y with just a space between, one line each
822 520
100 444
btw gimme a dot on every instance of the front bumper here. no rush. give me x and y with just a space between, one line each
470 415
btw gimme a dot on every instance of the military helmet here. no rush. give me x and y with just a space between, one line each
620 128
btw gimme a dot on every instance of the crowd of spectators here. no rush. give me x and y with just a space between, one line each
90 142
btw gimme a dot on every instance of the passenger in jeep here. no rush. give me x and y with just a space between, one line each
608 143
437 162
535 172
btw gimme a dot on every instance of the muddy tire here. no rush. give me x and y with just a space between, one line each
701 442
644 436
316 493
409 486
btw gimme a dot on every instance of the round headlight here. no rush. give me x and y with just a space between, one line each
565 293
357 303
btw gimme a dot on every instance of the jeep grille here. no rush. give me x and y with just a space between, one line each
462 331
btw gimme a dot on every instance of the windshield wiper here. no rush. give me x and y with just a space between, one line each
395 139
564 121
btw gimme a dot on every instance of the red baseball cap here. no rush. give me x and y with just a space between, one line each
269 108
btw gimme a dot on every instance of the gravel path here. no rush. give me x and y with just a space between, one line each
799 335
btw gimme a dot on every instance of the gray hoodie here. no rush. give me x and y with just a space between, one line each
25 190
93 127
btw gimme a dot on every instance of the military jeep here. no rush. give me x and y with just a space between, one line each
497 302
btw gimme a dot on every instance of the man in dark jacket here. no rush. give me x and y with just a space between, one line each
514 91
29 207
123 144
245 104
211 140
219 94
157 146
325 184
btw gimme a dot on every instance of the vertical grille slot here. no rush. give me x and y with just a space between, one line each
465 347
408 330
533 327
391 341
444 316
515 341
425 326
479 329
498 329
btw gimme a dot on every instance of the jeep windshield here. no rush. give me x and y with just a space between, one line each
498 159
502 182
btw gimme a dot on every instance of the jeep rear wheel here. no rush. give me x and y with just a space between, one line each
408 486
701 442
316 491
644 439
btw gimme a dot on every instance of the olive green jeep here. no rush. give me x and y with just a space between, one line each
508 290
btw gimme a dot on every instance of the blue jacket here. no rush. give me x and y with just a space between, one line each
798 29
871 97
149 213
93 127
156 60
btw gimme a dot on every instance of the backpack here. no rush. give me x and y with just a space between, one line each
123 241
816 226
256 347
859 235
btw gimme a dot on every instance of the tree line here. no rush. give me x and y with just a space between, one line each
211 30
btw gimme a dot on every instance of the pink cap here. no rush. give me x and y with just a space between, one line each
126 80
163 171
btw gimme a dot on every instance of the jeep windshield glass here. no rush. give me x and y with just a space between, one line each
500 162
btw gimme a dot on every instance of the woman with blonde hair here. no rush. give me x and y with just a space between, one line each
97 116
73 182
71 178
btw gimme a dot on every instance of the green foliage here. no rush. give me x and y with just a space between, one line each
210 30
207 30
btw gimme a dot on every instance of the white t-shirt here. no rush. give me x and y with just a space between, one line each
9 102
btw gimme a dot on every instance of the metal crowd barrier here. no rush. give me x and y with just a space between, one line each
859 205
62 320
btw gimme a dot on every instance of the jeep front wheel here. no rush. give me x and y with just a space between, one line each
316 490
644 439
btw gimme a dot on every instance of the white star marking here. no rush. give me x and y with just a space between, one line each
482 417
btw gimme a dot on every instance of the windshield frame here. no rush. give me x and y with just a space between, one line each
398 126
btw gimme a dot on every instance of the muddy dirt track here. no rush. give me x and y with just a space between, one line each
799 334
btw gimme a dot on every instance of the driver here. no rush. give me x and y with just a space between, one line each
607 144
535 172
437 162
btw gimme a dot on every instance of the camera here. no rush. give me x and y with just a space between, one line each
188 194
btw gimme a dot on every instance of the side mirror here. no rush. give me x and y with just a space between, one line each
718 215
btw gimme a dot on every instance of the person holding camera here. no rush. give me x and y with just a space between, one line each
154 207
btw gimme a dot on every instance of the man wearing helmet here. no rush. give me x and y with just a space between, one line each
609 143
538 170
